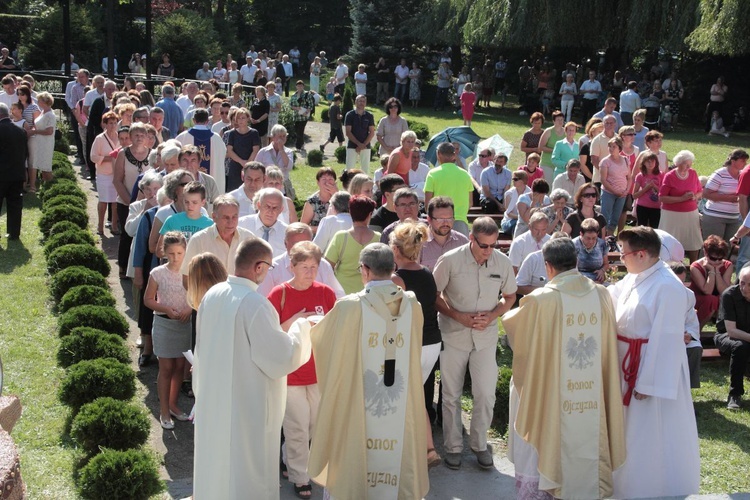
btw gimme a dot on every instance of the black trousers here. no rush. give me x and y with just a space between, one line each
73 123
588 108
123 251
739 350
299 129
12 194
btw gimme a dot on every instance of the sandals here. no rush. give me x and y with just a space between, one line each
305 488
433 459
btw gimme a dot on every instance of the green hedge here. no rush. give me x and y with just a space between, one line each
102 317
65 199
75 276
340 154
90 379
502 400
110 423
315 158
62 173
63 227
60 213
419 128
74 237
85 295
120 475
86 343
61 186
84 255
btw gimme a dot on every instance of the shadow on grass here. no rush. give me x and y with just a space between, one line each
713 424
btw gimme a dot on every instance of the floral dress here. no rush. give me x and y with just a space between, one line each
415 93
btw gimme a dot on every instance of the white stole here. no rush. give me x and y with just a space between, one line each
580 396
384 337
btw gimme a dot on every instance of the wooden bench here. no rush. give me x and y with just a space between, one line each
712 354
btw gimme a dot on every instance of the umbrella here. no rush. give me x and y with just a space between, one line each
497 143
466 137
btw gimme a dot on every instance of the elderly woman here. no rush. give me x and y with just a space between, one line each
104 144
565 150
400 159
391 127
42 141
722 211
646 192
679 195
301 297
274 100
343 251
594 127
529 202
709 277
616 181
519 181
559 211
585 204
316 206
547 142
406 241
593 261
530 139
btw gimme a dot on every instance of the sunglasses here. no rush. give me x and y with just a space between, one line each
715 257
628 135
514 179
588 195
484 246
483 156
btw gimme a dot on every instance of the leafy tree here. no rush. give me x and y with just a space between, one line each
190 39
383 28
721 24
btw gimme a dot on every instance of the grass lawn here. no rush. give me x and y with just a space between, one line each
28 345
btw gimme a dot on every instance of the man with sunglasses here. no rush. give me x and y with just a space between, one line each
482 161
469 281
660 430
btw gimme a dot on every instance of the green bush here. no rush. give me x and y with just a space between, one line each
62 137
419 128
61 186
315 158
65 199
189 37
60 213
59 158
340 154
102 317
78 255
502 400
286 118
120 475
347 102
85 295
62 173
85 343
63 227
324 115
75 276
110 423
96 378
76 236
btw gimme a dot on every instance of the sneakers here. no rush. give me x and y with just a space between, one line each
452 460
733 402
484 458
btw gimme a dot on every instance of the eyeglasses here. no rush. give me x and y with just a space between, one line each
409 205
270 266
483 156
514 179
360 266
484 246
588 195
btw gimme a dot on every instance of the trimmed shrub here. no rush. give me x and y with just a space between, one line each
315 158
324 115
75 276
347 100
63 227
65 199
340 154
88 380
61 173
102 317
375 152
110 423
85 343
62 186
419 128
502 400
73 237
62 212
78 255
116 475
59 157
85 295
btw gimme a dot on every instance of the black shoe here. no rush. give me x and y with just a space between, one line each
733 402
144 360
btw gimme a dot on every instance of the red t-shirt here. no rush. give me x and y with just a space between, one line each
319 298
743 187
537 174
674 186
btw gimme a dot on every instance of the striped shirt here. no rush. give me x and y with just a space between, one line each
722 182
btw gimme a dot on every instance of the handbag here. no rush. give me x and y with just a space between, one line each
341 253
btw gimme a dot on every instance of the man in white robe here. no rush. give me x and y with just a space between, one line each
242 358
660 431
212 149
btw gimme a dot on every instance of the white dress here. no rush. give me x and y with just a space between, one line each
661 436
41 147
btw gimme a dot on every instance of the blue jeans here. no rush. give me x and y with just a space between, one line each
743 256
400 92
611 209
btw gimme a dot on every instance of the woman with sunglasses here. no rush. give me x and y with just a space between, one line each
709 277
585 202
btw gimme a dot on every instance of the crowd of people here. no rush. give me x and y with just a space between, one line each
196 185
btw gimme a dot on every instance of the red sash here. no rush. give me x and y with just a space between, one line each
630 364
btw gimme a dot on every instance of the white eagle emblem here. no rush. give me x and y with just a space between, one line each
581 351
379 399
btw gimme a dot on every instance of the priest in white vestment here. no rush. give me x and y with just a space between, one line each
242 358
661 435
369 441
565 434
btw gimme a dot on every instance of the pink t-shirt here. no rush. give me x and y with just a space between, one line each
617 173
537 174
674 186
649 199
170 292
